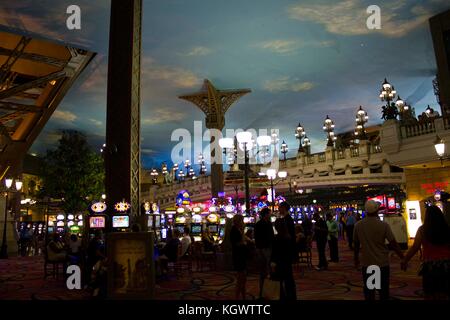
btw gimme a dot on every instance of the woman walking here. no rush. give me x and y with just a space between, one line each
239 255
434 237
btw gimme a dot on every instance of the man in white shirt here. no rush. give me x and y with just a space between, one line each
185 242
371 234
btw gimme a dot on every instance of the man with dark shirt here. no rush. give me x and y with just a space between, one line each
291 291
263 242
321 237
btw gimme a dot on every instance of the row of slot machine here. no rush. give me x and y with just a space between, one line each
196 217
65 223
36 228
300 213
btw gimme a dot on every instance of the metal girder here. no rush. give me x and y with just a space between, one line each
32 84
12 116
13 57
12 106
35 57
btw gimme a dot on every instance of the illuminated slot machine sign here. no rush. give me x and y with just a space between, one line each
60 224
97 219
75 224
121 221
51 224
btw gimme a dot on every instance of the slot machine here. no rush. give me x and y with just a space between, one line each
60 224
97 218
181 220
196 224
75 224
212 223
121 220
51 224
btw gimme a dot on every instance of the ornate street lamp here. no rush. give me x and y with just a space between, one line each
227 145
264 142
8 185
272 175
201 161
181 175
439 146
306 144
174 171
388 93
300 134
284 150
328 127
154 175
245 141
361 120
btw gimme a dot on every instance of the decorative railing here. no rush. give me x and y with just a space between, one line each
340 154
418 129
322 157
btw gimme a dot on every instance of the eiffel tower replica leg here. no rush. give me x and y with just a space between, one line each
215 103
122 154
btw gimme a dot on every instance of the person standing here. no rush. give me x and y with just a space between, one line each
239 255
281 261
333 234
263 241
434 237
284 207
185 242
350 225
342 225
371 234
321 237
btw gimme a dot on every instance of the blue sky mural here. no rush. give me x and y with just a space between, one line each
302 60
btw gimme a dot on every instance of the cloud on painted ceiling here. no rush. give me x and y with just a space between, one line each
174 76
287 84
349 17
198 51
66 116
280 46
162 115
96 122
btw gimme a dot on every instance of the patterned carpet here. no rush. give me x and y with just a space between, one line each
22 279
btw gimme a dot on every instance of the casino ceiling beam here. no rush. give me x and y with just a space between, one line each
12 106
12 116
13 56
36 58
32 84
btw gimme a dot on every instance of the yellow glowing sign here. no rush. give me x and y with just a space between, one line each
122 206
98 207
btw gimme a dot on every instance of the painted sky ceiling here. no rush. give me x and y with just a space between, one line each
302 60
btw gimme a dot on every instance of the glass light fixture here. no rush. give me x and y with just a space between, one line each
226 143
8 182
271 174
439 145
19 185
282 174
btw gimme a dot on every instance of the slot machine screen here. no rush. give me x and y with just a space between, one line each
158 236
157 221
213 228
222 220
273 219
246 220
163 234
120 221
50 229
96 222
150 221
196 229
180 229
221 232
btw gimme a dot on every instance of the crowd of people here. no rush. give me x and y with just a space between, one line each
278 245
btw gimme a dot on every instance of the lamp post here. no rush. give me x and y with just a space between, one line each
174 171
226 144
328 127
361 120
8 185
300 134
284 150
245 140
272 175
306 144
439 146
154 175
201 161
264 142
388 93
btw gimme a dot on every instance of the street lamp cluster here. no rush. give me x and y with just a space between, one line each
328 127
18 187
361 120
